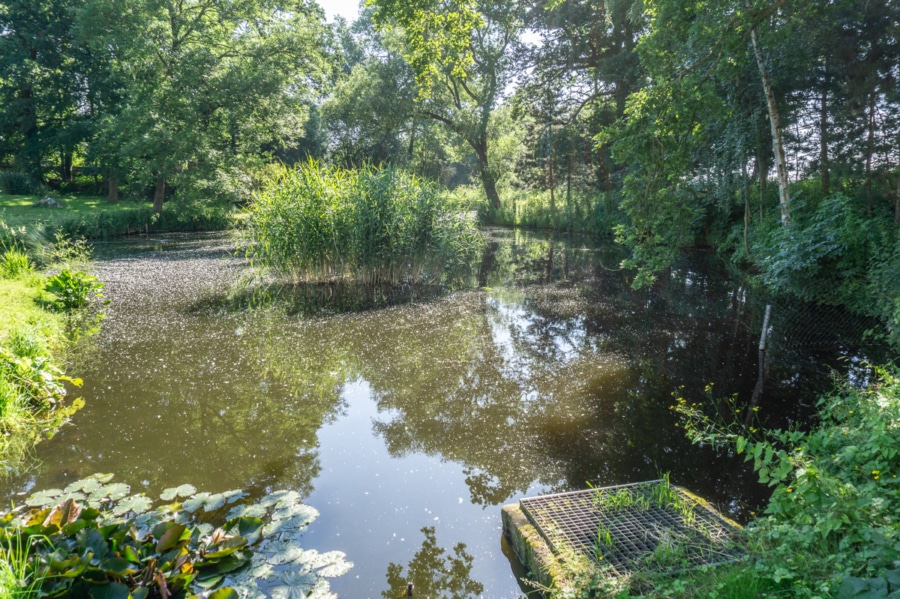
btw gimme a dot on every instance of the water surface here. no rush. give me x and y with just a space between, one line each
409 426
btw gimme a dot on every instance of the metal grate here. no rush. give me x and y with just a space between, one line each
639 536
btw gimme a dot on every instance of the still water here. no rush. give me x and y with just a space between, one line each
408 426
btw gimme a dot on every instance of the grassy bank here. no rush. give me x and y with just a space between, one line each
39 316
92 217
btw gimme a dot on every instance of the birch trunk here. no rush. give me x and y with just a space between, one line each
775 124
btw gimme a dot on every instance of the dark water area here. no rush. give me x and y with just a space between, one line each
408 426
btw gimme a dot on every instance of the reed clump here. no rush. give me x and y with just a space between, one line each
370 225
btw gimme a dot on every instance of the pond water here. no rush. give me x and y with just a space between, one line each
409 426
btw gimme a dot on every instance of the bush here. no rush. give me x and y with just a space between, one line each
833 519
19 184
374 225
14 263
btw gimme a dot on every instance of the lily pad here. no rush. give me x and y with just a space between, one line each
297 510
85 485
276 496
44 498
294 585
112 491
293 526
253 510
281 552
135 503
214 502
234 495
194 503
331 564
179 491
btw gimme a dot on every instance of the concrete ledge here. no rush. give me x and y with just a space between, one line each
530 547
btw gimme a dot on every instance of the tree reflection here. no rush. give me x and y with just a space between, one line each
433 573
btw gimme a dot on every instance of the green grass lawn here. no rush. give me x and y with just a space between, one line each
76 211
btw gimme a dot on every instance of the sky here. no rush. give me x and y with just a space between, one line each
349 9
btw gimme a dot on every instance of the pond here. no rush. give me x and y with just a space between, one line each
408 426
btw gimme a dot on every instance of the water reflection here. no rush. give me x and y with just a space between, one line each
433 573
552 374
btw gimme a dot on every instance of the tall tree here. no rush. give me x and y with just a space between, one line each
208 83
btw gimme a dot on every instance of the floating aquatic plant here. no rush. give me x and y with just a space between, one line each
94 539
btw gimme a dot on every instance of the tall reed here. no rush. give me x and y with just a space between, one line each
373 225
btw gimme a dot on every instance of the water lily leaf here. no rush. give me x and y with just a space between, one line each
44 498
112 590
281 552
194 503
230 563
249 528
288 499
226 547
140 593
263 572
277 496
170 538
63 514
234 495
247 590
225 593
118 567
322 591
214 502
296 510
253 510
111 491
293 526
208 582
102 477
179 491
331 564
130 554
135 503
205 529
91 539
294 585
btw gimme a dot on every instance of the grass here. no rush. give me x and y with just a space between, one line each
92 217
374 226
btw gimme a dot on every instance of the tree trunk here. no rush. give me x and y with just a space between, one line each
823 139
487 177
775 124
112 190
897 199
160 195
870 151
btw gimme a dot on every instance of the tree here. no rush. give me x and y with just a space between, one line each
208 83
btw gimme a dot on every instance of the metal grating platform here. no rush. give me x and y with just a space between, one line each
641 536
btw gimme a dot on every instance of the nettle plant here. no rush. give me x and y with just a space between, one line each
96 540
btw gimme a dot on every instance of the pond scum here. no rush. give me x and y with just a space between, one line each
97 540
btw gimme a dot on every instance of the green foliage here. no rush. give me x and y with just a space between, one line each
73 290
14 263
94 540
18 183
833 518
375 225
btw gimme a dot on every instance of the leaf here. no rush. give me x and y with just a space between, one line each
253 510
112 491
234 495
225 593
170 538
282 552
249 528
86 485
63 514
194 503
140 593
118 567
214 502
179 491
294 585
331 564
112 590
226 547
276 497
44 498
135 503
298 510
295 525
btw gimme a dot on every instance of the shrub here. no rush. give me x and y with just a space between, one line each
833 519
374 225
19 183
